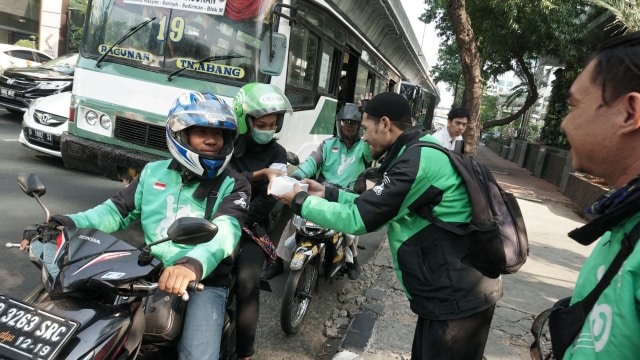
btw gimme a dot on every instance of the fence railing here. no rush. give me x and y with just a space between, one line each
551 164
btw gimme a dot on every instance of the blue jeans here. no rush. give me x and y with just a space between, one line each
203 322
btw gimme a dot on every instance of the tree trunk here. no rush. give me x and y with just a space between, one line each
470 58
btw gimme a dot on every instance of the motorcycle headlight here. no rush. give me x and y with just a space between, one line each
308 228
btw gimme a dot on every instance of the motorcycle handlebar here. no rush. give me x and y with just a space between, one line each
192 286
195 286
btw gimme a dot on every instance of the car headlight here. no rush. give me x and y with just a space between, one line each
54 85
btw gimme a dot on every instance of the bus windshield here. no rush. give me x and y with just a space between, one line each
181 35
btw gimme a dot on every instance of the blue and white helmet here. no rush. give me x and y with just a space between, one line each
200 109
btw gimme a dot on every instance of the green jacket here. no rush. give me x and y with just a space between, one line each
336 163
157 198
612 327
431 263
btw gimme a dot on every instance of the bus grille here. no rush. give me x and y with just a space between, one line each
140 133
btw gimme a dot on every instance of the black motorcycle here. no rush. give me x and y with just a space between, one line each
95 288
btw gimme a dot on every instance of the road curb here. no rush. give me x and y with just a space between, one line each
361 328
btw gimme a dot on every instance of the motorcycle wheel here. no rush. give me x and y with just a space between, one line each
297 296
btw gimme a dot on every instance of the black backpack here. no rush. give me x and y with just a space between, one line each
499 243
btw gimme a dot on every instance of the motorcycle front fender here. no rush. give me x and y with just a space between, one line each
303 254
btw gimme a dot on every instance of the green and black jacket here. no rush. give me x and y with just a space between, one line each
431 263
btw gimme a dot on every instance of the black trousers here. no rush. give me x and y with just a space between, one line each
250 261
456 339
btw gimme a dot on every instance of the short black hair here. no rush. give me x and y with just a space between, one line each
617 67
389 104
457 113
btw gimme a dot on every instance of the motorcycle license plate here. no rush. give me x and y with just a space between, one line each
30 333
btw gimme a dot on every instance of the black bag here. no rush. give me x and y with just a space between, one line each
499 243
565 321
163 315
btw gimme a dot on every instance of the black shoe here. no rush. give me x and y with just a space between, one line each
353 270
274 269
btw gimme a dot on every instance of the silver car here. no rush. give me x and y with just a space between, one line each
44 122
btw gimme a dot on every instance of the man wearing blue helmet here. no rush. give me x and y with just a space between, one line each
200 132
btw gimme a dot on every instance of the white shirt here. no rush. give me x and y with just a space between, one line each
445 139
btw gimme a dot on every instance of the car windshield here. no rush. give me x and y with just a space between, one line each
64 64
178 38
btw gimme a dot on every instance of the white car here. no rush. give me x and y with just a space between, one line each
44 122
19 56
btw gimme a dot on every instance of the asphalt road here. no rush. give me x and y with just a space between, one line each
71 191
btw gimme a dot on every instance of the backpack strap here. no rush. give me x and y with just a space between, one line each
212 196
481 216
628 244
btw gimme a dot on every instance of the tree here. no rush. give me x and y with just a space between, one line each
470 61
625 17
488 109
625 13
78 9
510 38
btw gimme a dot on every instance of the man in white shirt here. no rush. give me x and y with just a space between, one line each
457 120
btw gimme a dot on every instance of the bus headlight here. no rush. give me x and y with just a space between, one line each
105 122
91 117
94 121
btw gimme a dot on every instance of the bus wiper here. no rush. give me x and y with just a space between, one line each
208 58
124 37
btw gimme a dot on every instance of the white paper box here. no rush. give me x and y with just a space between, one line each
284 184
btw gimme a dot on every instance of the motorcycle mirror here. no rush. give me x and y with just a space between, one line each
292 158
191 231
31 184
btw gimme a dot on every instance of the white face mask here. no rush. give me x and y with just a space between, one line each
262 136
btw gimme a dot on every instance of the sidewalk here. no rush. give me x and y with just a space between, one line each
383 327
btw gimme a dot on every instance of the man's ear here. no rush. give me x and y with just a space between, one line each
386 123
632 108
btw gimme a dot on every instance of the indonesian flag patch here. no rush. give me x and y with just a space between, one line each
159 186
334 149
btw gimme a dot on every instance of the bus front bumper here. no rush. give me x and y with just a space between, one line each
112 161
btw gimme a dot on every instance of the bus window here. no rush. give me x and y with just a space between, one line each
362 82
175 39
303 52
381 85
326 67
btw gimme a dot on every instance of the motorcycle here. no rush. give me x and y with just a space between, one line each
318 251
91 302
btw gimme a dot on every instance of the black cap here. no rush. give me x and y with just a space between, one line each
389 104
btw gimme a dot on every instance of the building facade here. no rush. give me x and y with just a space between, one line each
42 21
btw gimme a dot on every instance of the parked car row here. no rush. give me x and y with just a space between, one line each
19 86
41 92
19 56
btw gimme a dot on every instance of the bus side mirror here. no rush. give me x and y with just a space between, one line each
272 53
